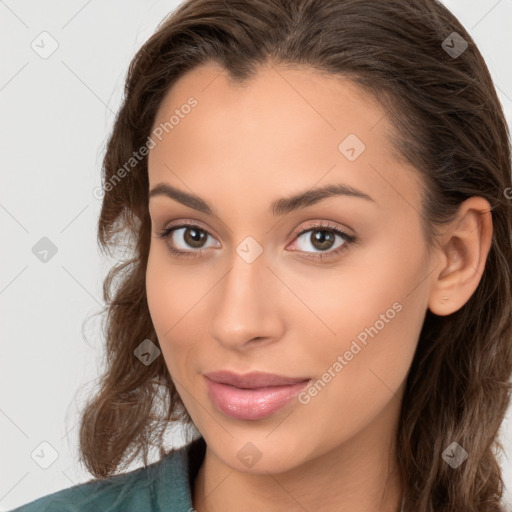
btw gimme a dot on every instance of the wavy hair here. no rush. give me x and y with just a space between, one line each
447 122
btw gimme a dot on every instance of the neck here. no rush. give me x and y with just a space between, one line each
358 475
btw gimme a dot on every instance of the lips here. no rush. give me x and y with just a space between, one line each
252 380
253 395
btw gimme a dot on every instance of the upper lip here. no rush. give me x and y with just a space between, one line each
252 380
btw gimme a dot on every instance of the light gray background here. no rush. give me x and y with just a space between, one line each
56 114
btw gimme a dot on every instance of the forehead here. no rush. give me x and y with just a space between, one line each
283 124
275 93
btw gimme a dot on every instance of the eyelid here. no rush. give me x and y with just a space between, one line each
319 224
348 239
192 223
305 226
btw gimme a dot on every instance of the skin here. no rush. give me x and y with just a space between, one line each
240 149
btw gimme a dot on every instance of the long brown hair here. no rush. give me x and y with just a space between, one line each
448 123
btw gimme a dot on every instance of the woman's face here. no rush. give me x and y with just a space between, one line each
251 292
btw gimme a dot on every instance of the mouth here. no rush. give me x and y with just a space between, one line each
252 396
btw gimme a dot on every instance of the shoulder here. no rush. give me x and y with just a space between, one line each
150 488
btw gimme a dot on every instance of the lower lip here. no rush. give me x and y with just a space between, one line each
252 404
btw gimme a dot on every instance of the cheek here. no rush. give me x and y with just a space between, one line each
174 300
361 330
360 372
158 291
165 303
370 310
364 308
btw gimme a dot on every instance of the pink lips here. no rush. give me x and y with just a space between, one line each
254 395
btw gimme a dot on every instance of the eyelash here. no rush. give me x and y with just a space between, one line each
348 239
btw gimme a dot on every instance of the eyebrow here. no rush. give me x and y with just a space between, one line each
279 207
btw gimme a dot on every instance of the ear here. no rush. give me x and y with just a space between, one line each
464 247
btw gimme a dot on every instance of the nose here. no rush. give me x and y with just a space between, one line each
247 307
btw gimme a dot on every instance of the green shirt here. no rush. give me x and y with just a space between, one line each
163 486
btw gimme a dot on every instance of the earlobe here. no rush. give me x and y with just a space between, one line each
467 241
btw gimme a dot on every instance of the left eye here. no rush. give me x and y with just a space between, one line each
322 239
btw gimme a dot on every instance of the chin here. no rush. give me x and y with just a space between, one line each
261 455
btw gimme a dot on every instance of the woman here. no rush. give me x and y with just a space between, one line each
318 199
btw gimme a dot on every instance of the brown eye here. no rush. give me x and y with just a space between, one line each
322 239
194 237
321 242
186 239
